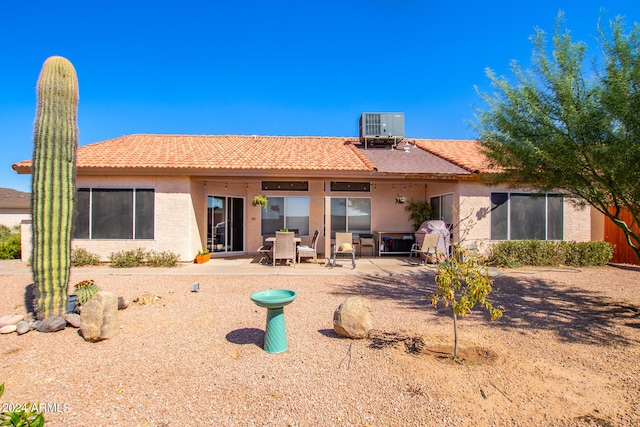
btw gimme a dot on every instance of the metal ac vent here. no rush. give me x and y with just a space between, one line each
381 126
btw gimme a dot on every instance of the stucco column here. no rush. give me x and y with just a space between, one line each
327 228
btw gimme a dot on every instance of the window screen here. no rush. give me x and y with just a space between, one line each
523 216
106 213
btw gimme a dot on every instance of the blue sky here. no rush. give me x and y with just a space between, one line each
269 68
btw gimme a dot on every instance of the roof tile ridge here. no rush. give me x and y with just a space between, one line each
368 163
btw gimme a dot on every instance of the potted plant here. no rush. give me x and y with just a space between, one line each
260 200
203 256
400 198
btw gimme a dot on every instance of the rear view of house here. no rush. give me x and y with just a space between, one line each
187 192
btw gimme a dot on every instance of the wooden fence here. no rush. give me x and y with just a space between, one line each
622 253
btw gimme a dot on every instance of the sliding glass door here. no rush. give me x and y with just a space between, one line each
225 225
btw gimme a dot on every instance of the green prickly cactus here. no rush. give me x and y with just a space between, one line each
55 143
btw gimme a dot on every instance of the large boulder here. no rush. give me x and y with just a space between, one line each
353 318
99 317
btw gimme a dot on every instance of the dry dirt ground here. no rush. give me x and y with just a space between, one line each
566 353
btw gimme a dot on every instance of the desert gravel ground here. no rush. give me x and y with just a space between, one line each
566 353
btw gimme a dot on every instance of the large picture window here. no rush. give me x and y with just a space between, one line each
290 213
120 213
523 216
350 214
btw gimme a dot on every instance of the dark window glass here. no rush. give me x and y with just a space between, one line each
499 219
351 214
81 220
338 215
145 206
555 217
519 216
273 217
350 186
112 214
442 208
290 213
528 217
286 185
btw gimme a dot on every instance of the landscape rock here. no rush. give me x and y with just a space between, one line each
353 318
99 317
73 319
7 329
22 327
10 319
122 303
52 324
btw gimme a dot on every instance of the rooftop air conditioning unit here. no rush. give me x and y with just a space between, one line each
381 126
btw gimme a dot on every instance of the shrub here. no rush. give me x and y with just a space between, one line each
81 256
518 253
162 259
5 232
10 248
126 259
583 254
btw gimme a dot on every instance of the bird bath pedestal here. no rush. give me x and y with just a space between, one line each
275 334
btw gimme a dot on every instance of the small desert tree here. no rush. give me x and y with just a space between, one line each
462 282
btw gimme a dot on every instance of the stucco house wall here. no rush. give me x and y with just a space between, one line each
475 205
14 217
176 228
15 207
386 214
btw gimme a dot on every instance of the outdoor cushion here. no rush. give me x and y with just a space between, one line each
345 247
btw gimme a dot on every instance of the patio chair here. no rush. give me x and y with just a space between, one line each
284 247
368 241
305 251
429 245
265 252
344 246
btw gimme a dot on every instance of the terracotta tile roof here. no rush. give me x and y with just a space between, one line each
14 199
465 153
145 151
293 153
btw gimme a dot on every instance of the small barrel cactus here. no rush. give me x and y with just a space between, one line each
85 290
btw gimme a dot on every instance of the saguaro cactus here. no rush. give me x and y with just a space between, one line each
55 142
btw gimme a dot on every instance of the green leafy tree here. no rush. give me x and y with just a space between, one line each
55 142
571 123
462 282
